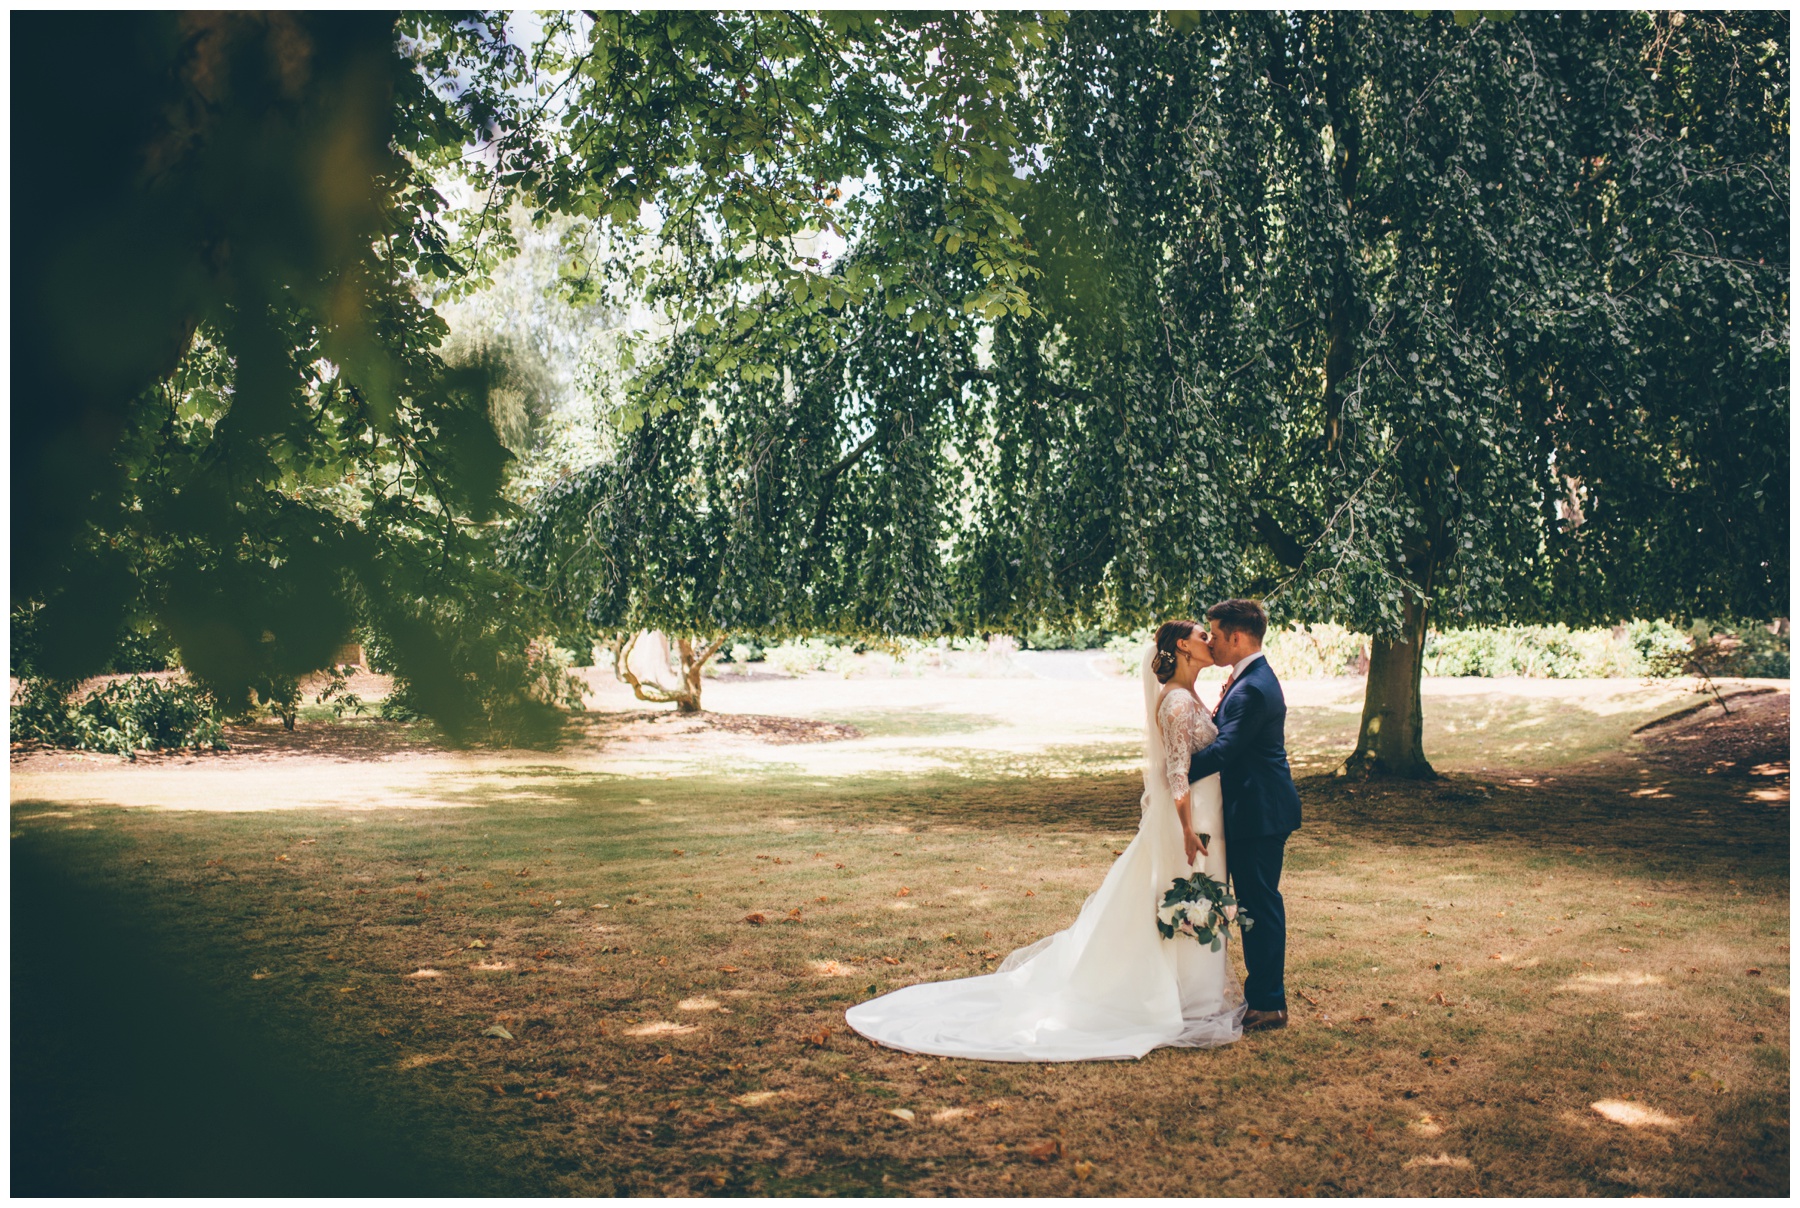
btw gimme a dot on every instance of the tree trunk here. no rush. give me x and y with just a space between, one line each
1391 742
686 696
689 699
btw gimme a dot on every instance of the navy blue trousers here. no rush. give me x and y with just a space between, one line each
1255 869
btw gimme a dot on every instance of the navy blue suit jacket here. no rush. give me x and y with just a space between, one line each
1250 756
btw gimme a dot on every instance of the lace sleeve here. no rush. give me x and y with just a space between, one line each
1181 716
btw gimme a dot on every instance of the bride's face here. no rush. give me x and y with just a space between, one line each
1195 648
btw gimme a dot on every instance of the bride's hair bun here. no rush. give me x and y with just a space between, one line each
1163 665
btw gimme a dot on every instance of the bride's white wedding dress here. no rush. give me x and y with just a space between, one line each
1109 986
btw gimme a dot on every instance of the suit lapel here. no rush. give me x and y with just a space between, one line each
1235 679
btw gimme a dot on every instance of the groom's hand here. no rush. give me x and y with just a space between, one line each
1192 843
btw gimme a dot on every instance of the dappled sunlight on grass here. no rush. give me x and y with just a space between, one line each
1594 983
1634 1115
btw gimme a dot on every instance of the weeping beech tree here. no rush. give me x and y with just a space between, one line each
1392 320
815 497
1395 320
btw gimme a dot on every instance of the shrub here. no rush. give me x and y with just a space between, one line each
1760 654
336 694
1316 651
1734 649
747 651
1553 651
124 716
144 649
801 655
1065 639
1638 648
514 695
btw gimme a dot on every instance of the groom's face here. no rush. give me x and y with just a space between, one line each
1228 645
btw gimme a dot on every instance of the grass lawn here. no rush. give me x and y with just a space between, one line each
534 975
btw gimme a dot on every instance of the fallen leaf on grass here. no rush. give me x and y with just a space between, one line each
666 1059
904 892
1754 972
281 859
755 1098
901 1113
756 920
1425 1126
477 944
499 1031
260 974
1031 893
819 1038
1045 1151
888 960
545 1096
1083 1170
662 1027
948 1114
729 969
423 973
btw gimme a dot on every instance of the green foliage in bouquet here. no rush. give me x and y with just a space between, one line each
1201 907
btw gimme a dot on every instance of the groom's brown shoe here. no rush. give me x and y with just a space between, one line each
1264 1021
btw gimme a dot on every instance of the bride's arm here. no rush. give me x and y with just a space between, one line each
1178 742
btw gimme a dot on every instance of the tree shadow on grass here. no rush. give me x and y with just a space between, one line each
130 1078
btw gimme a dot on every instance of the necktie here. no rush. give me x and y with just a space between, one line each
1229 676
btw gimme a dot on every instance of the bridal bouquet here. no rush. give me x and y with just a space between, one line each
1201 907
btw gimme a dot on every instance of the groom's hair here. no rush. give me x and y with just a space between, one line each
1245 616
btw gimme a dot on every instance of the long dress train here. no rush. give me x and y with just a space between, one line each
1108 986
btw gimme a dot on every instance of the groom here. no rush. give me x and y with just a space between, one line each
1261 807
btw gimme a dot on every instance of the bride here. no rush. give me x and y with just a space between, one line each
1109 986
